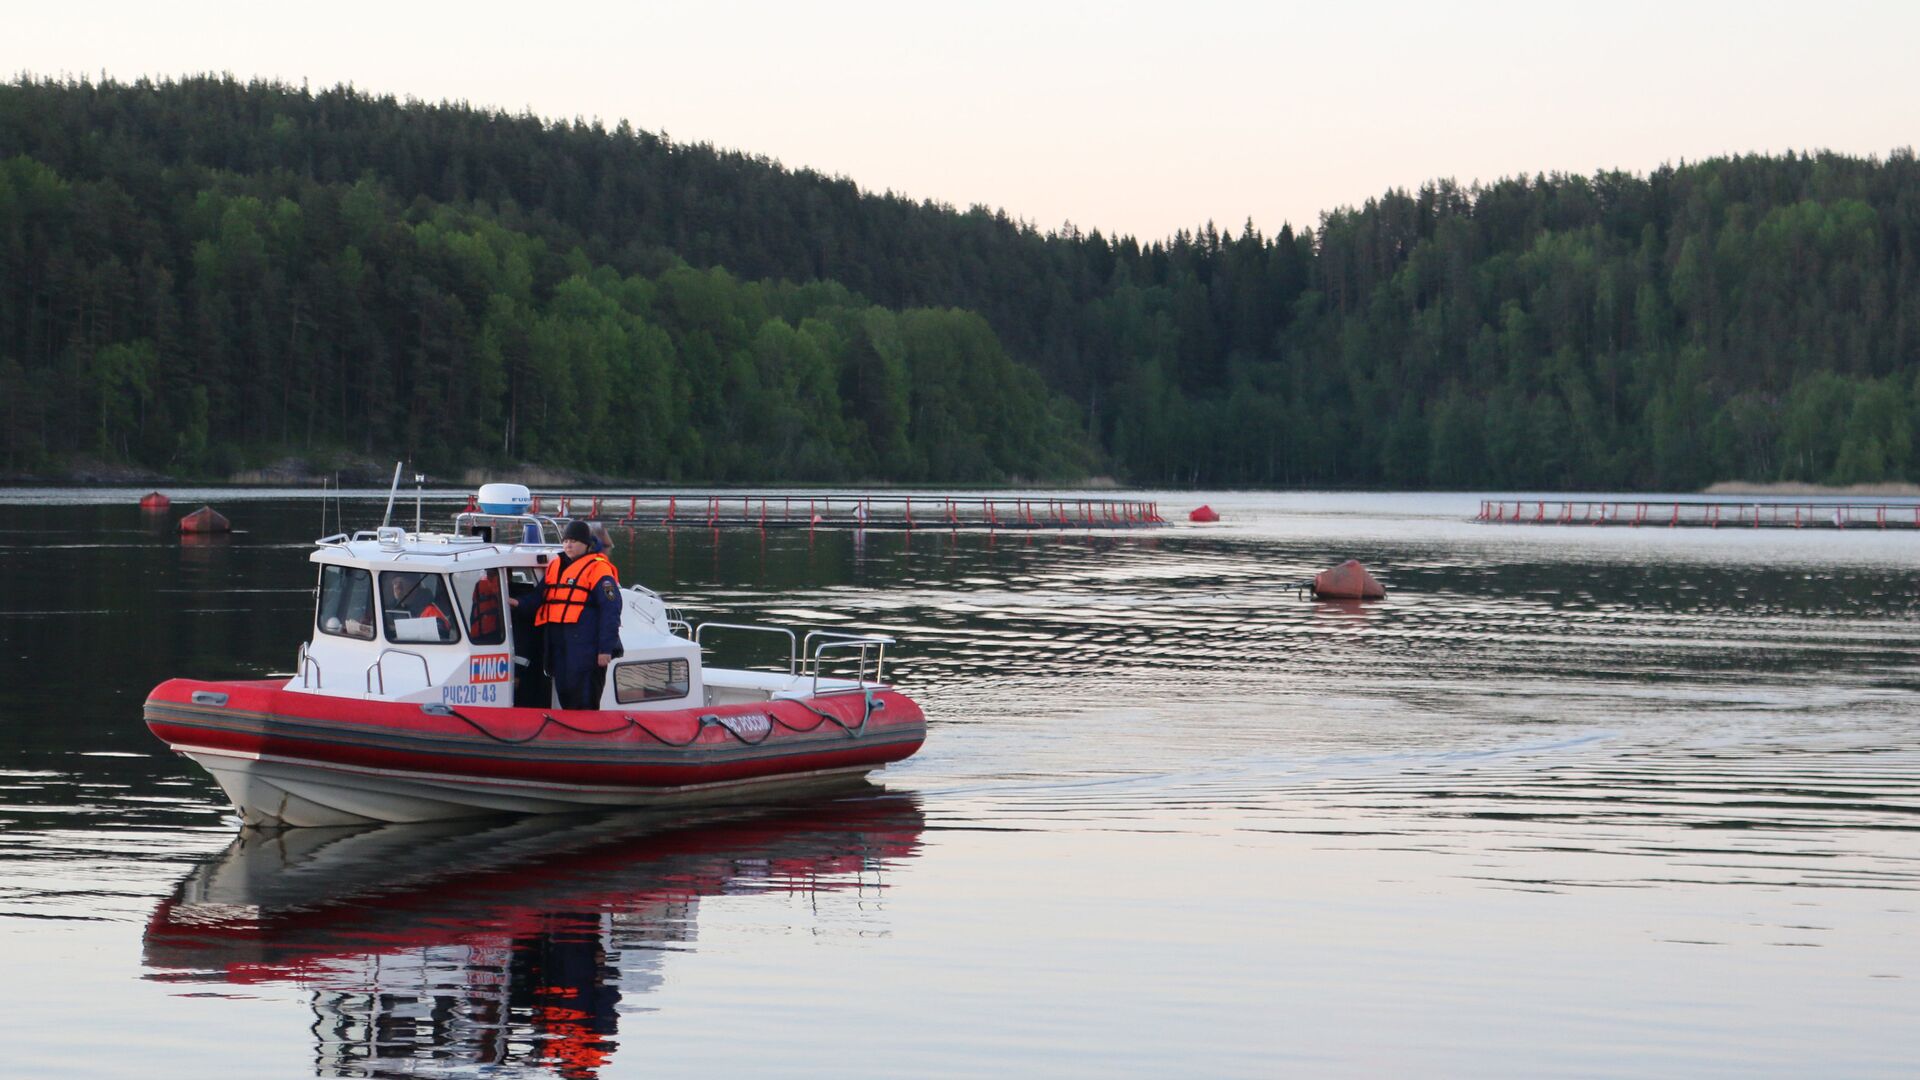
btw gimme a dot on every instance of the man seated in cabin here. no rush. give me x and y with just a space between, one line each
415 596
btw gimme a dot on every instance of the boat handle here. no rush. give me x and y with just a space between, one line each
208 697
304 661
378 667
877 643
807 649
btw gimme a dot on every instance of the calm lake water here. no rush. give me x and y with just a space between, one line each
1572 802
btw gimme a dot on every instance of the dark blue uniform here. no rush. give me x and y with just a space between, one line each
572 649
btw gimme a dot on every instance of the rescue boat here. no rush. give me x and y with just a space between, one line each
420 701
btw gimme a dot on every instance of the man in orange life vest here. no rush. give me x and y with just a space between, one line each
578 612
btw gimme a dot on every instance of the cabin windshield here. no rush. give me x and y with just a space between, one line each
479 594
346 602
416 609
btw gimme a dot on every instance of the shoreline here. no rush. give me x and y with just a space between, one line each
1742 487
296 473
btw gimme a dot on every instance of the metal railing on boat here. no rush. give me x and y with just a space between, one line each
1704 513
302 662
378 667
804 658
873 644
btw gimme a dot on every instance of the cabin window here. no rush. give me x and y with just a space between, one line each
416 609
346 602
650 680
479 594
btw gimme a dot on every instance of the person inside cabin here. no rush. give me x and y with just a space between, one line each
531 690
415 596
577 608
485 625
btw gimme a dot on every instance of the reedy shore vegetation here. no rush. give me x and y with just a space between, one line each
196 274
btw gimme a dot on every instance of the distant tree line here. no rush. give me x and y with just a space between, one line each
196 271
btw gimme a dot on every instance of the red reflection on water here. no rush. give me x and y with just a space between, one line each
1346 610
493 943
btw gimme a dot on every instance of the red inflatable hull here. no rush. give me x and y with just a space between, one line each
288 758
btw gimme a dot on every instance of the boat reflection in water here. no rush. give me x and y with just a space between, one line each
439 947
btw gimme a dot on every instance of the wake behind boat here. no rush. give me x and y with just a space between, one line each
421 700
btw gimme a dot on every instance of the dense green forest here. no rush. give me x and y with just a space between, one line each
198 273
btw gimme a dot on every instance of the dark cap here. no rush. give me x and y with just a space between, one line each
578 530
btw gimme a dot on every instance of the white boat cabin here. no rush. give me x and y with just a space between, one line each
423 616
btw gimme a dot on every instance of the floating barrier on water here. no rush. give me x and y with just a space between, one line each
847 510
1348 581
205 520
1204 513
1703 513
153 500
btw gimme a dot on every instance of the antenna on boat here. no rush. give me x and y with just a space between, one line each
391 492
418 479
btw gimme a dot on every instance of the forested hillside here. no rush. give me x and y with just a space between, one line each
195 272
168 297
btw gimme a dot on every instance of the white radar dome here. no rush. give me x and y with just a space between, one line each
504 498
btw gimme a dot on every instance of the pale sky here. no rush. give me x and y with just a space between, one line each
1128 117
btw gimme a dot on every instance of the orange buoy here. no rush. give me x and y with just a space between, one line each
1204 513
205 520
153 500
1348 581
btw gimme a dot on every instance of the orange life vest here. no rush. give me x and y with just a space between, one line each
430 610
567 591
486 608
